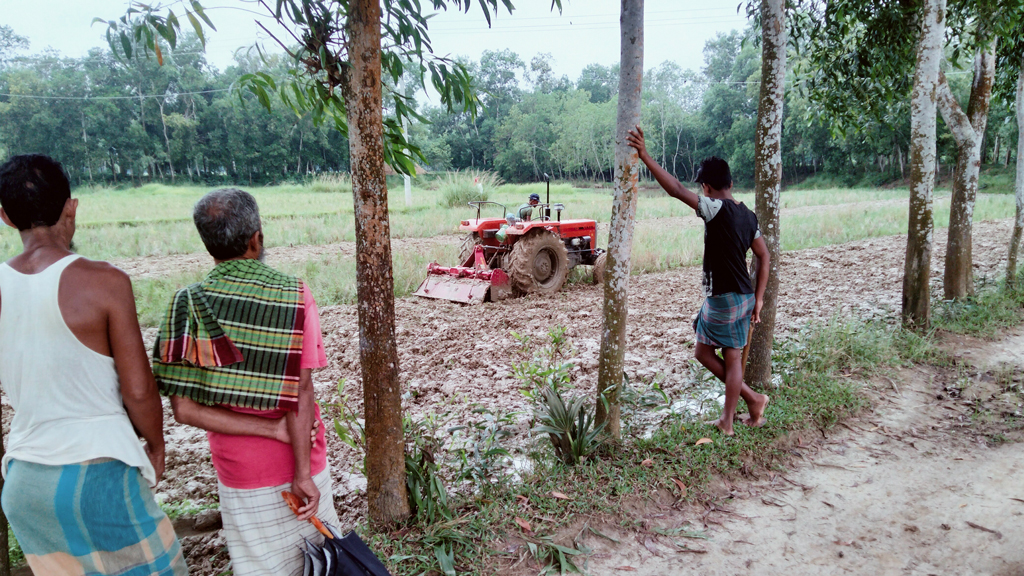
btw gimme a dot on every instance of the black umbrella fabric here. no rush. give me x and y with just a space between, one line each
342 556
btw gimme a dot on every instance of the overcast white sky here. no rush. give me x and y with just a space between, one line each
586 32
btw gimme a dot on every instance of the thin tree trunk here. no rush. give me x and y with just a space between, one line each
375 286
1018 223
917 266
167 141
968 131
768 181
620 242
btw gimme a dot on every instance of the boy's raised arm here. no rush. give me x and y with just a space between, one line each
674 187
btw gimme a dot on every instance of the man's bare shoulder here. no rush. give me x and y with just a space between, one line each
100 275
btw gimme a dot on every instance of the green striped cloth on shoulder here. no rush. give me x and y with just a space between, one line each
235 338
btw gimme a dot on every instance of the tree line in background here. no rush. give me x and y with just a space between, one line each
130 120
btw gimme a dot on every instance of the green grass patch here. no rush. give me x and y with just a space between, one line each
991 310
14 551
186 508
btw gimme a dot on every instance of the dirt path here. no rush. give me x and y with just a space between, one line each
911 488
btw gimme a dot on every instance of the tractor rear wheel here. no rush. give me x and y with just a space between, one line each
538 264
469 244
600 268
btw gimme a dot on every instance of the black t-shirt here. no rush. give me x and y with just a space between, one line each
729 230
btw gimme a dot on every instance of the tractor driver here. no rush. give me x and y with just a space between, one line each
525 211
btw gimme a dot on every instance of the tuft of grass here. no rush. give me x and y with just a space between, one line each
332 182
989 311
460 187
14 552
185 508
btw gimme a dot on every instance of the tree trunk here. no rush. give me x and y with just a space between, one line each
768 181
167 142
917 266
620 241
375 286
968 131
1018 223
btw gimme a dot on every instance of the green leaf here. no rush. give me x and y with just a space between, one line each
445 559
126 45
197 27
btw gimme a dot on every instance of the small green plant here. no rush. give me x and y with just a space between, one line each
555 558
570 425
458 188
348 426
545 367
428 497
483 462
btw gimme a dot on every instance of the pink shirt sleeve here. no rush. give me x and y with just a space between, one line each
313 354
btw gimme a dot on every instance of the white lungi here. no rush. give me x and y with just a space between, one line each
264 535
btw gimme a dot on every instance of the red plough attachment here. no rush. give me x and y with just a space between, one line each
465 284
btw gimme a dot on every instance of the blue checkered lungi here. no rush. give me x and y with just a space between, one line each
724 321
94 518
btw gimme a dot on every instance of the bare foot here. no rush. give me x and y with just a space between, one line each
756 418
722 426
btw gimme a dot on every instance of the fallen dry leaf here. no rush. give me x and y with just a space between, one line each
523 524
625 569
647 463
560 496
703 441
649 544
522 499
682 487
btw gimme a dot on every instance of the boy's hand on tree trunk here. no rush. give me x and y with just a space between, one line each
635 138
758 303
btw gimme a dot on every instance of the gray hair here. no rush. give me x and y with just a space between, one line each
226 219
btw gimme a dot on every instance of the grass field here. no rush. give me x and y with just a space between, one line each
155 220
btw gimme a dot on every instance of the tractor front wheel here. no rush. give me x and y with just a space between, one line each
538 264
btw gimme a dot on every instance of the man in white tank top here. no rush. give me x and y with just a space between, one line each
78 481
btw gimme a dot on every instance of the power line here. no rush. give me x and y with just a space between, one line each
144 96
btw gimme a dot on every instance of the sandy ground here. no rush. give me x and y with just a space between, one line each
912 488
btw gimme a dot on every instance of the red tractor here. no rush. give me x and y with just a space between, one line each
507 255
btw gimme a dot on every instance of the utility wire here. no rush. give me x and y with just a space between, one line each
174 94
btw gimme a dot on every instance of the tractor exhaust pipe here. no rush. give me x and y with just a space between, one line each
547 211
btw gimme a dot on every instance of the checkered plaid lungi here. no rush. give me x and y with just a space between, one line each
94 518
724 321
263 534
